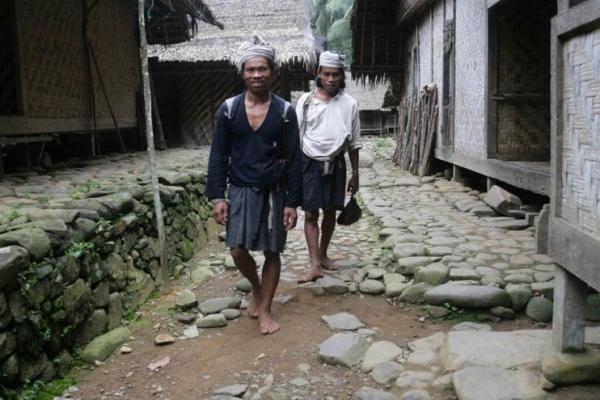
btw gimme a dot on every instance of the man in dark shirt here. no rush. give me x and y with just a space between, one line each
255 148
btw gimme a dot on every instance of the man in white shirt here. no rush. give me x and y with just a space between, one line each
329 126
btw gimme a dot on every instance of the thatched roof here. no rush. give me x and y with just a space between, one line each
375 40
369 97
285 24
173 21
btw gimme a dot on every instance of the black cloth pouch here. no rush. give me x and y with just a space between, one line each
350 214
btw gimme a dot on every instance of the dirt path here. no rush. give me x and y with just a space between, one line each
238 354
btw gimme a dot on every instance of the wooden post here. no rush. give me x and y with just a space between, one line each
163 274
568 320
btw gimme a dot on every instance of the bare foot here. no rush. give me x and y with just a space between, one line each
253 305
328 264
266 324
311 276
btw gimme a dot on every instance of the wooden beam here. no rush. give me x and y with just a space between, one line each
569 308
413 10
26 126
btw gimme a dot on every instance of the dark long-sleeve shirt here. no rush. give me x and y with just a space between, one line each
245 157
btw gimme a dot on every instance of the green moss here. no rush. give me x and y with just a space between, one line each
40 391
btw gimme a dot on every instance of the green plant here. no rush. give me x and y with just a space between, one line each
382 143
39 391
13 213
77 249
81 191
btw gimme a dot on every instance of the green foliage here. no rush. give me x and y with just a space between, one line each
13 213
339 37
338 8
458 315
77 249
40 391
82 190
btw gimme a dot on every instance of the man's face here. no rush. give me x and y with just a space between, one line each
257 74
331 79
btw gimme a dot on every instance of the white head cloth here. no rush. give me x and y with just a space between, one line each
255 48
331 59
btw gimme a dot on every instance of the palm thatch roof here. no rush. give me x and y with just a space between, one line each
369 97
174 21
285 24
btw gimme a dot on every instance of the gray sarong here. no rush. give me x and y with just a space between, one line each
255 219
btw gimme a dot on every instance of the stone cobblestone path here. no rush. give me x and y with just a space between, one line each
426 255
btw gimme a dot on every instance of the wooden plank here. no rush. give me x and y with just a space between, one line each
577 19
514 174
575 251
27 126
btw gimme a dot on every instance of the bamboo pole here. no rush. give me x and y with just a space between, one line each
147 100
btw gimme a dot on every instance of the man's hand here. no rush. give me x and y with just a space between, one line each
353 184
220 212
290 217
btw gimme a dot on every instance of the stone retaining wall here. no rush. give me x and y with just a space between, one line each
70 271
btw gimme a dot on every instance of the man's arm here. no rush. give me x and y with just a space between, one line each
218 168
353 148
294 167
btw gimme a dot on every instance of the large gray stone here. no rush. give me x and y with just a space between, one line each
477 383
345 349
214 306
416 394
237 390
385 373
572 368
435 274
394 284
186 299
539 309
201 275
414 379
495 349
342 321
520 295
415 293
93 326
332 285
367 393
501 200
212 321
403 250
371 286
408 265
103 346
35 240
115 311
468 296
380 352
13 259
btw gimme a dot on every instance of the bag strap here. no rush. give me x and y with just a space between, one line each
305 107
285 130
229 107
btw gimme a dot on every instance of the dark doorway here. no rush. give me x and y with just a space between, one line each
519 80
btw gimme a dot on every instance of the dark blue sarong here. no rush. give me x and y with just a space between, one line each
255 219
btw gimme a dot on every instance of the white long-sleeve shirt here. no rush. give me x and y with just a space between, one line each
329 126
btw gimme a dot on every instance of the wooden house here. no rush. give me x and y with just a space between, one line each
375 117
193 78
490 62
72 66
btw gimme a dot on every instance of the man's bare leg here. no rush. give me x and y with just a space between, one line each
327 228
311 231
270 280
247 266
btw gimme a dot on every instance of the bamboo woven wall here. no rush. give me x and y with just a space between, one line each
200 97
580 132
55 72
524 70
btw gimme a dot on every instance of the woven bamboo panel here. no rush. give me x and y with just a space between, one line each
54 63
201 96
580 133
524 69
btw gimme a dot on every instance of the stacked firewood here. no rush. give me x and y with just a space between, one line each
417 127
